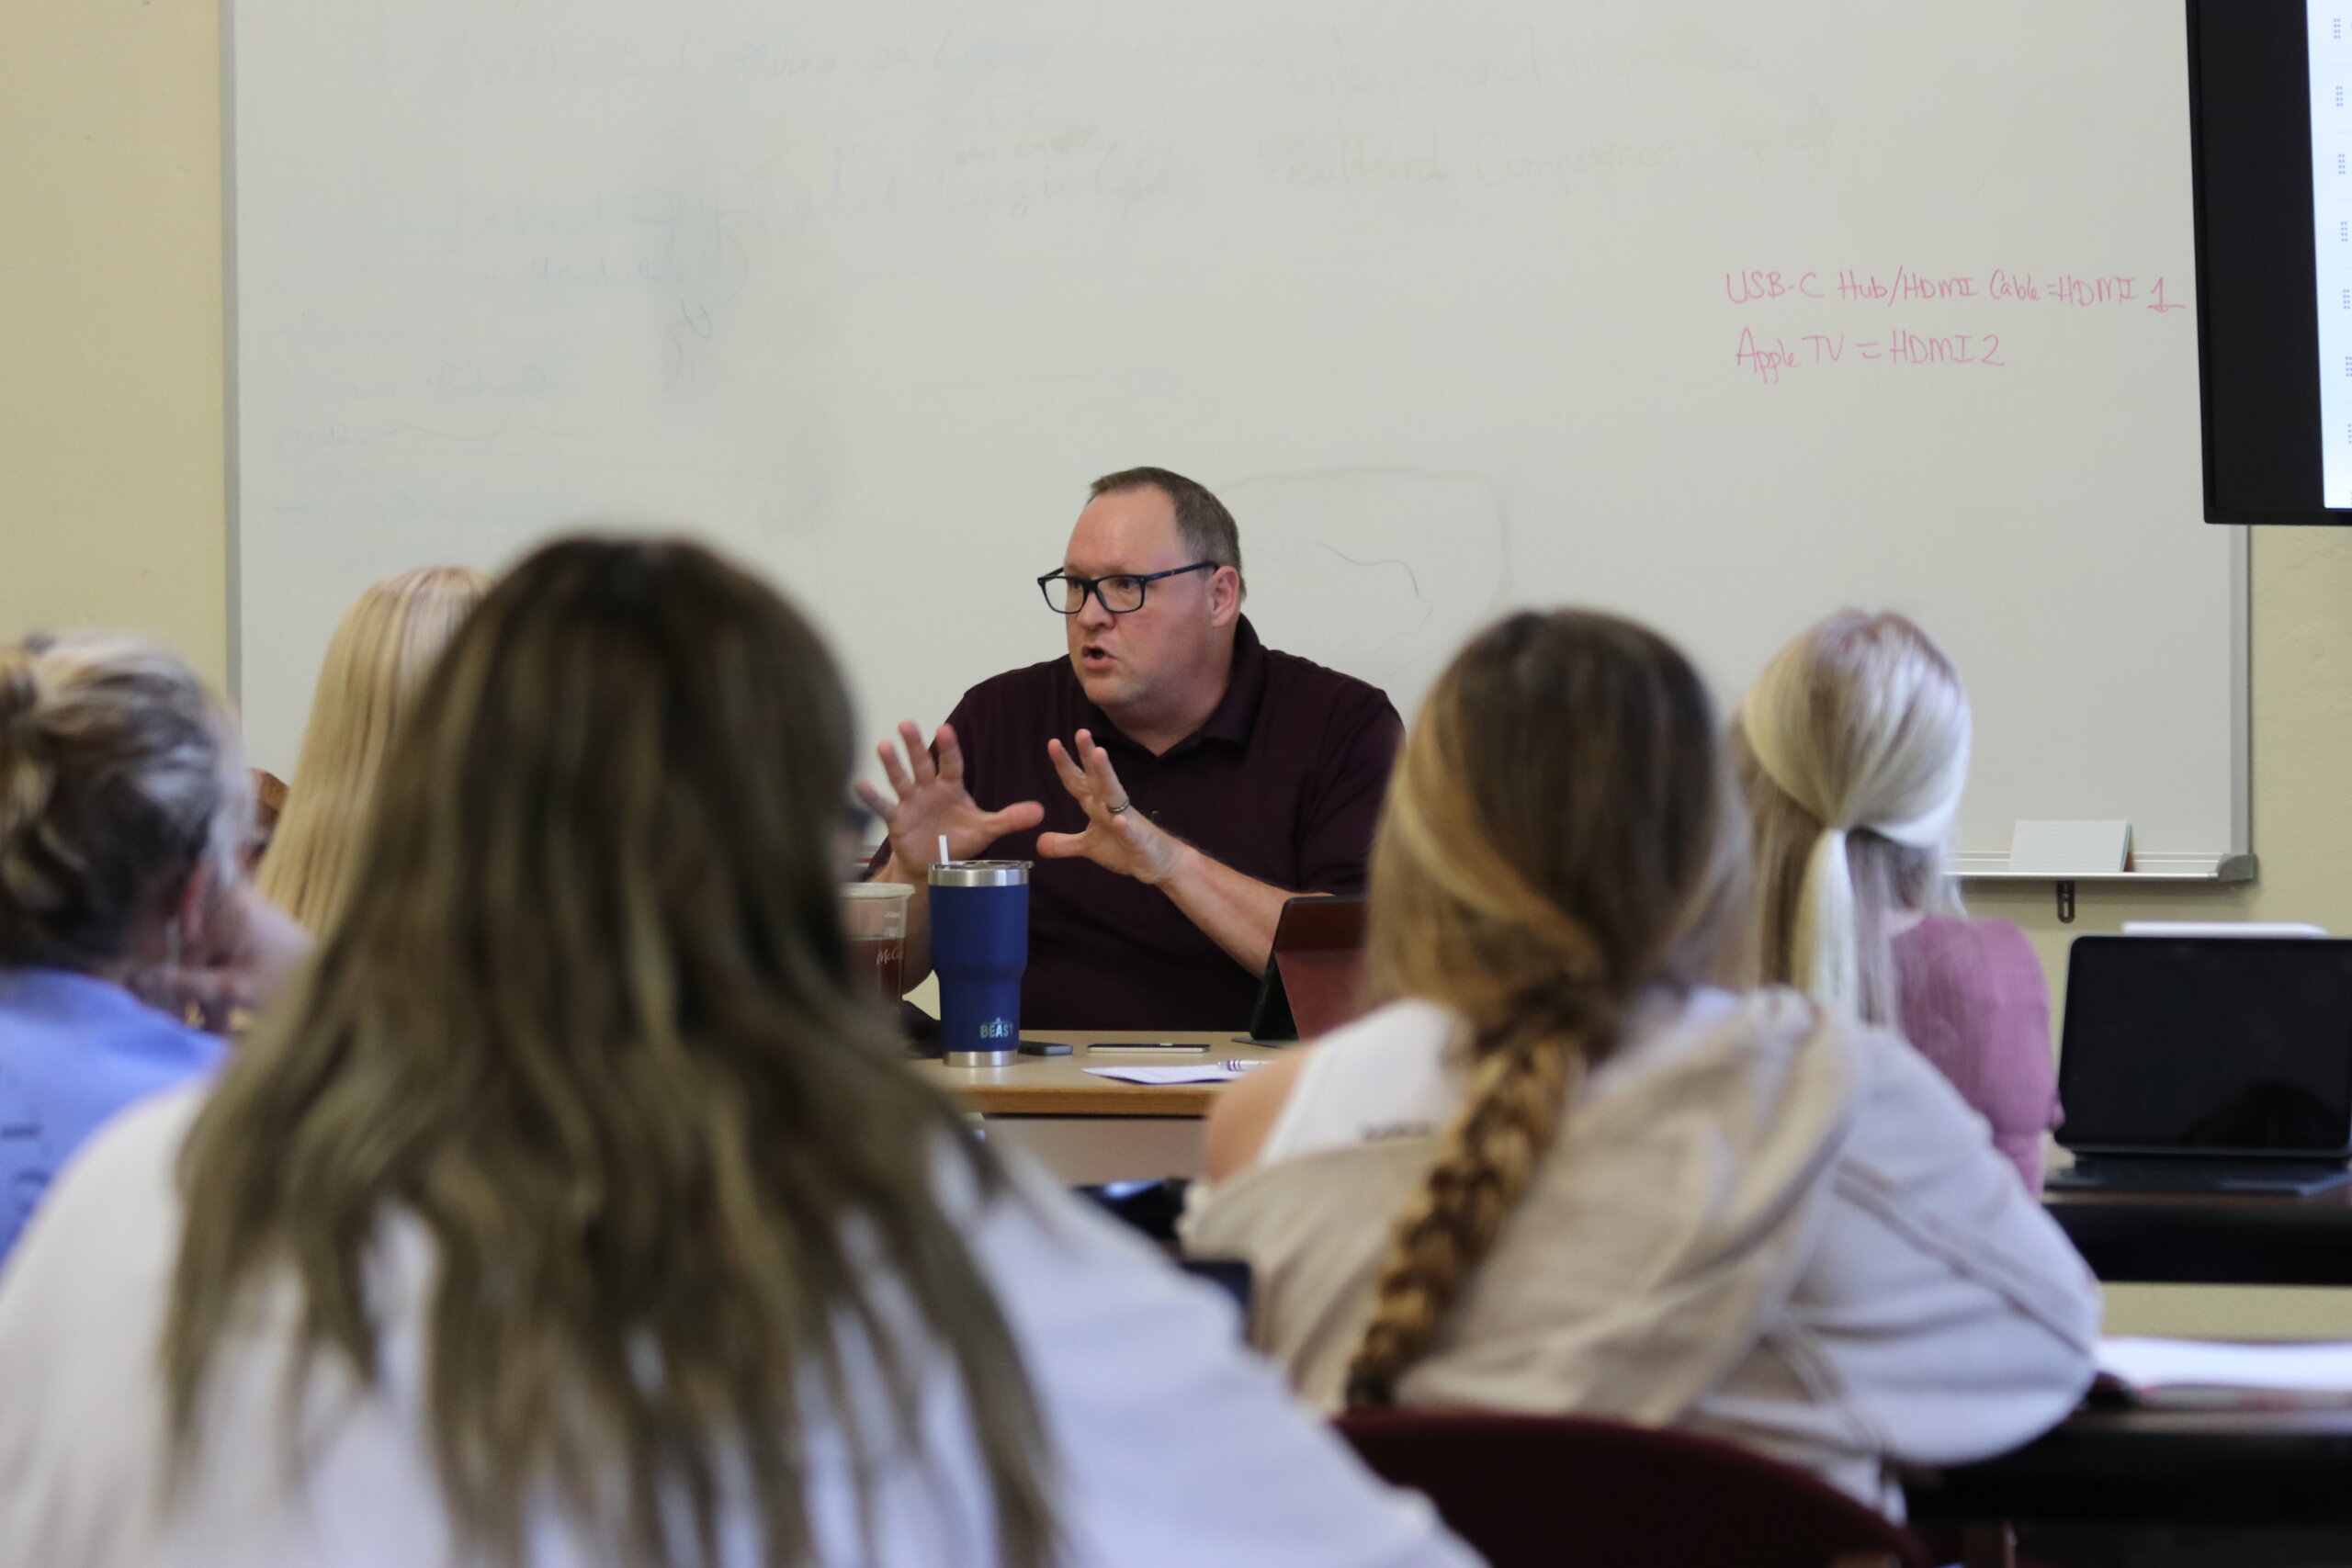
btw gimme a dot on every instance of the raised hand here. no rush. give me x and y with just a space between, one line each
1117 837
931 800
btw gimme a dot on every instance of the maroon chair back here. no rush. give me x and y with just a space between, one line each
1562 1491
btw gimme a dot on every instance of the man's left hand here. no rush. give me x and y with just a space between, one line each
1117 837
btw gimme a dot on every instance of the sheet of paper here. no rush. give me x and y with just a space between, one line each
2201 1371
1203 1072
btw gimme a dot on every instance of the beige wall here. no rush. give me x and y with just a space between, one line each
110 325
111 474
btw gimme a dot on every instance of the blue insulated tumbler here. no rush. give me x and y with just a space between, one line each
979 946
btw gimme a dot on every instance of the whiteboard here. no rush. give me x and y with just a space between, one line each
1720 315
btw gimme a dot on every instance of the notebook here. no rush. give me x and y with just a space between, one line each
2201 1374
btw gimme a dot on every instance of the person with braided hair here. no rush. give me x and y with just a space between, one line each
124 805
1563 1170
1852 749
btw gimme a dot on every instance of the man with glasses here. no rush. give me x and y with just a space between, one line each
1174 778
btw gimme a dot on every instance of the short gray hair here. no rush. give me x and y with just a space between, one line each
118 772
1202 522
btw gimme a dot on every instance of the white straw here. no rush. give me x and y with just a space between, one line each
943 856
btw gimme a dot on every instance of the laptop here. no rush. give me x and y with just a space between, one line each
1313 982
2207 1063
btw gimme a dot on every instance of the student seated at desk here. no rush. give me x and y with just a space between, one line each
1559 1171
381 651
577 1209
124 807
1852 750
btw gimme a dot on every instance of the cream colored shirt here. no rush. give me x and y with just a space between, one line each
1174 1445
1757 1221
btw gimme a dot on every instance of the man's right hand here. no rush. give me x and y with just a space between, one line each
932 801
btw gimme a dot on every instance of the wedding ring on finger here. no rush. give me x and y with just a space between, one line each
1121 806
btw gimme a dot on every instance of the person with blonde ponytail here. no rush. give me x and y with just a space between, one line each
1560 1169
124 806
576 1208
1852 750
381 651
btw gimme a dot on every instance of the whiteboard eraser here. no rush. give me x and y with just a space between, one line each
2070 848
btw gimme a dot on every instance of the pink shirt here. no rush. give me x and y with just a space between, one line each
1973 1002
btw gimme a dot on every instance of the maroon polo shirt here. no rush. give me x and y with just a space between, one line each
1283 783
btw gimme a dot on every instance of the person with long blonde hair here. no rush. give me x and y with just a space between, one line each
377 660
1851 749
1560 1170
578 1208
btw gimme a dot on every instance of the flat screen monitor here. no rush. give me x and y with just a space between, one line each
2271 113
2218 1046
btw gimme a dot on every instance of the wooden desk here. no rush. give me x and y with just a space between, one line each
1087 1129
1060 1086
2171 1238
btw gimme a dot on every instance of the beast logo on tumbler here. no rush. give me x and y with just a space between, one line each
1174 779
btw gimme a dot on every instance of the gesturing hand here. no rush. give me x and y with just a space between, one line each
933 800
1117 837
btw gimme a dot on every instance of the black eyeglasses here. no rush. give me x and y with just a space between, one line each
1121 595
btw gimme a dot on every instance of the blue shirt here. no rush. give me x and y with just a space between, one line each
74 1051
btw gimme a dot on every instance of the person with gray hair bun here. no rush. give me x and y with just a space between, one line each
124 803
1852 750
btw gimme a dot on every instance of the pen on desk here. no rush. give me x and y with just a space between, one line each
1241 1064
1147 1048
